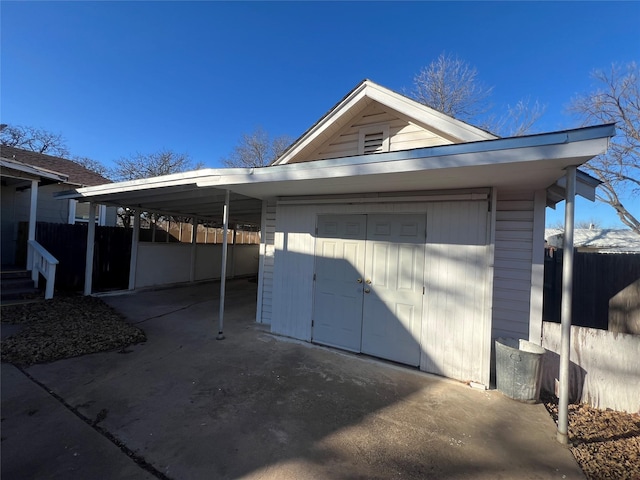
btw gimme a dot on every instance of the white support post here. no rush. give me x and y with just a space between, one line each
263 251
223 273
567 298
135 240
33 209
234 240
91 238
194 246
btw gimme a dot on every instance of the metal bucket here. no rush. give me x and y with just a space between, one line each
519 369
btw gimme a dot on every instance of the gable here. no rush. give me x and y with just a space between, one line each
376 129
373 119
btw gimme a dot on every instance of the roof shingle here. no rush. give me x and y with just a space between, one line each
78 175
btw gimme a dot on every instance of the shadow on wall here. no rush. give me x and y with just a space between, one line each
551 373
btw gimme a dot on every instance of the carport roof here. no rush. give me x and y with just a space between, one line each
531 162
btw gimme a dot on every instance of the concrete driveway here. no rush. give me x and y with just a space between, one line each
256 406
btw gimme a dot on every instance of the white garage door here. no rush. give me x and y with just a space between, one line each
369 284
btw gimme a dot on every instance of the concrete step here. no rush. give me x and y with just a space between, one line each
17 286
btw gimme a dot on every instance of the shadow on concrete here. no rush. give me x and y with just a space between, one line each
260 406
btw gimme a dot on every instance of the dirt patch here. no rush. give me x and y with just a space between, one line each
605 443
64 327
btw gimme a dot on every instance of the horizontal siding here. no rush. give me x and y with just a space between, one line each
403 135
267 268
50 209
512 265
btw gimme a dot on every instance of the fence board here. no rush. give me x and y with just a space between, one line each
68 243
597 278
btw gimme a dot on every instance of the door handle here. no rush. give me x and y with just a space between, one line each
367 290
368 282
359 280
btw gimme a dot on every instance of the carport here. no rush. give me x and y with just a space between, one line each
543 163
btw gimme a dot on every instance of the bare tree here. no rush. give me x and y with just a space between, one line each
93 165
518 120
145 165
34 139
451 86
257 149
139 165
616 98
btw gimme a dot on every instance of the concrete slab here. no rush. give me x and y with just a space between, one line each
42 439
257 406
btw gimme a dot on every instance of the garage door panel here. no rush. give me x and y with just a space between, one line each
337 316
393 307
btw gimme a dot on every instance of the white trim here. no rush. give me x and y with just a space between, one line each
537 268
369 91
91 238
135 241
385 199
559 147
488 285
71 218
263 251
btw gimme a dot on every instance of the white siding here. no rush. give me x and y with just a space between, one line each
267 251
456 320
293 272
50 209
456 328
603 369
512 270
169 263
403 134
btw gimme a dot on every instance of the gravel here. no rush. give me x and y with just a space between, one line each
63 327
605 443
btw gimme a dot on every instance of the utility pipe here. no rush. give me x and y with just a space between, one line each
567 298
223 273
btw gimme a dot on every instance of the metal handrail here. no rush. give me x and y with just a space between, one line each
42 262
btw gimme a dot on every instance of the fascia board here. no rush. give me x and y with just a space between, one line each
591 142
578 152
438 120
32 170
339 111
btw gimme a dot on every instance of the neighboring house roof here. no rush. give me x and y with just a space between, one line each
77 174
364 105
602 240
13 168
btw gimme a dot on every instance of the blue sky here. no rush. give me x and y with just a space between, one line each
115 78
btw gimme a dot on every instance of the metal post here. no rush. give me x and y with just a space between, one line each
91 238
33 210
567 297
194 241
223 273
135 240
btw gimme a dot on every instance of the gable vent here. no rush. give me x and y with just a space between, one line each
373 142
373 139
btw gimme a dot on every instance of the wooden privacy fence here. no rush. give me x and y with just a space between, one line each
597 279
68 243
